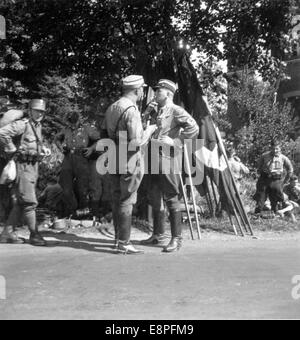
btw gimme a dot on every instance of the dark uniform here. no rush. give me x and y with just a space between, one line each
75 173
271 179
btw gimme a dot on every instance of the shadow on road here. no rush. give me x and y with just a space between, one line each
73 241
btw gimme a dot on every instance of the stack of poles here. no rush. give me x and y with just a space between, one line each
239 211
183 187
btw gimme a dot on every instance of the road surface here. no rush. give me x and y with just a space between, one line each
217 278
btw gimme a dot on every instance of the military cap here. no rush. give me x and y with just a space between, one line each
166 84
133 82
37 104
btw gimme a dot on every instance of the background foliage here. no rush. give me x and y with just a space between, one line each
74 53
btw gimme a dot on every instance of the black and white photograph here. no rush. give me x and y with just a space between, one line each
149 162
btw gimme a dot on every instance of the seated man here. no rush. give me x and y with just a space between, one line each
287 208
52 197
293 189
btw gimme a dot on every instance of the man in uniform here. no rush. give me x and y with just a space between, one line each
123 125
99 187
174 126
75 142
271 167
27 155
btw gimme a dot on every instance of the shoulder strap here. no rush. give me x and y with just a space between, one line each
39 143
120 118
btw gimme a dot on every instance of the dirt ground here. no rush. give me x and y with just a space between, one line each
80 276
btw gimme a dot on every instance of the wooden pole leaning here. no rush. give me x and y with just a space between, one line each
188 168
243 213
187 207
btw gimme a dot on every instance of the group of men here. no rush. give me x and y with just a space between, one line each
21 141
173 125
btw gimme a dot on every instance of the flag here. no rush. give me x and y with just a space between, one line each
210 156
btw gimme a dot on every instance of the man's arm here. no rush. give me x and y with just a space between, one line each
93 132
190 128
94 136
58 140
260 164
136 135
288 166
8 132
244 169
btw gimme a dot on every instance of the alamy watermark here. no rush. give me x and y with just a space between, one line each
157 157
2 288
296 288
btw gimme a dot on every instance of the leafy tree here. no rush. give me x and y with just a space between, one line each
63 96
262 120
104 40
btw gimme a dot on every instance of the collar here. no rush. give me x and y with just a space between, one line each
130 100
35 124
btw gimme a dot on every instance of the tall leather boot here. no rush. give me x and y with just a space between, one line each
124 246
35 238
176 230
116 226
158 237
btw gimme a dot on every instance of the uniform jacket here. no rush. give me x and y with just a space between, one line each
28 143
79 138
173 121
271 164
124 116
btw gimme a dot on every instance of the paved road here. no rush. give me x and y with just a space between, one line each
83 278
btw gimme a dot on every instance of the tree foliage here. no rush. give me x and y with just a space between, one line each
262 119
102 40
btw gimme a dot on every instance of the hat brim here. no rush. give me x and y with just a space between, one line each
163 87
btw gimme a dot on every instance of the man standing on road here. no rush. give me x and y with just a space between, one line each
27 156
271 167
174 126
123 125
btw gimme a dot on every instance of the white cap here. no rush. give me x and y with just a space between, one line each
133 82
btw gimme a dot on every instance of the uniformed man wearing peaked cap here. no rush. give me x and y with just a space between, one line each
174 126
123 125
27 154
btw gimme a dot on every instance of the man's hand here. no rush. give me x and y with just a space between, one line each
151 129
166 140
88 151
